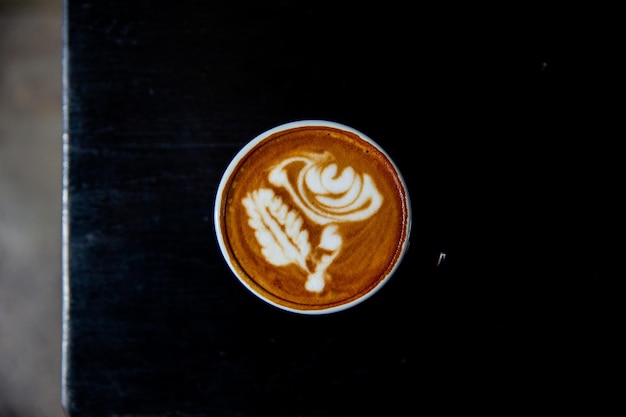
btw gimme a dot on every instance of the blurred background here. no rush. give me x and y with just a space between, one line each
30 208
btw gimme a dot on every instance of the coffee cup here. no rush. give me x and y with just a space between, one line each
312 216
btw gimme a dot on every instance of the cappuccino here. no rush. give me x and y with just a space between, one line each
312 216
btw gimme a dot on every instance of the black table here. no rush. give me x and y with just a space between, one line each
477 108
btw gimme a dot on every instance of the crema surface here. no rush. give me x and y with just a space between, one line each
314 217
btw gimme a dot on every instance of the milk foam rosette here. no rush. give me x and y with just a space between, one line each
323 194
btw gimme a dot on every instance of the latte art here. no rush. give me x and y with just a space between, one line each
312 217
325 196
346 197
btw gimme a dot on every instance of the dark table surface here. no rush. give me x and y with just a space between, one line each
476 106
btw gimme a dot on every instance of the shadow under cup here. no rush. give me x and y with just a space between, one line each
312 216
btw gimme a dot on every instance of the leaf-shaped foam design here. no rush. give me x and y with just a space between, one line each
277 229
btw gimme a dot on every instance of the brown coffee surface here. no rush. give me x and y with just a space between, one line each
278 231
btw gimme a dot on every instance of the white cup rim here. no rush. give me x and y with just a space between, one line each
233 165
